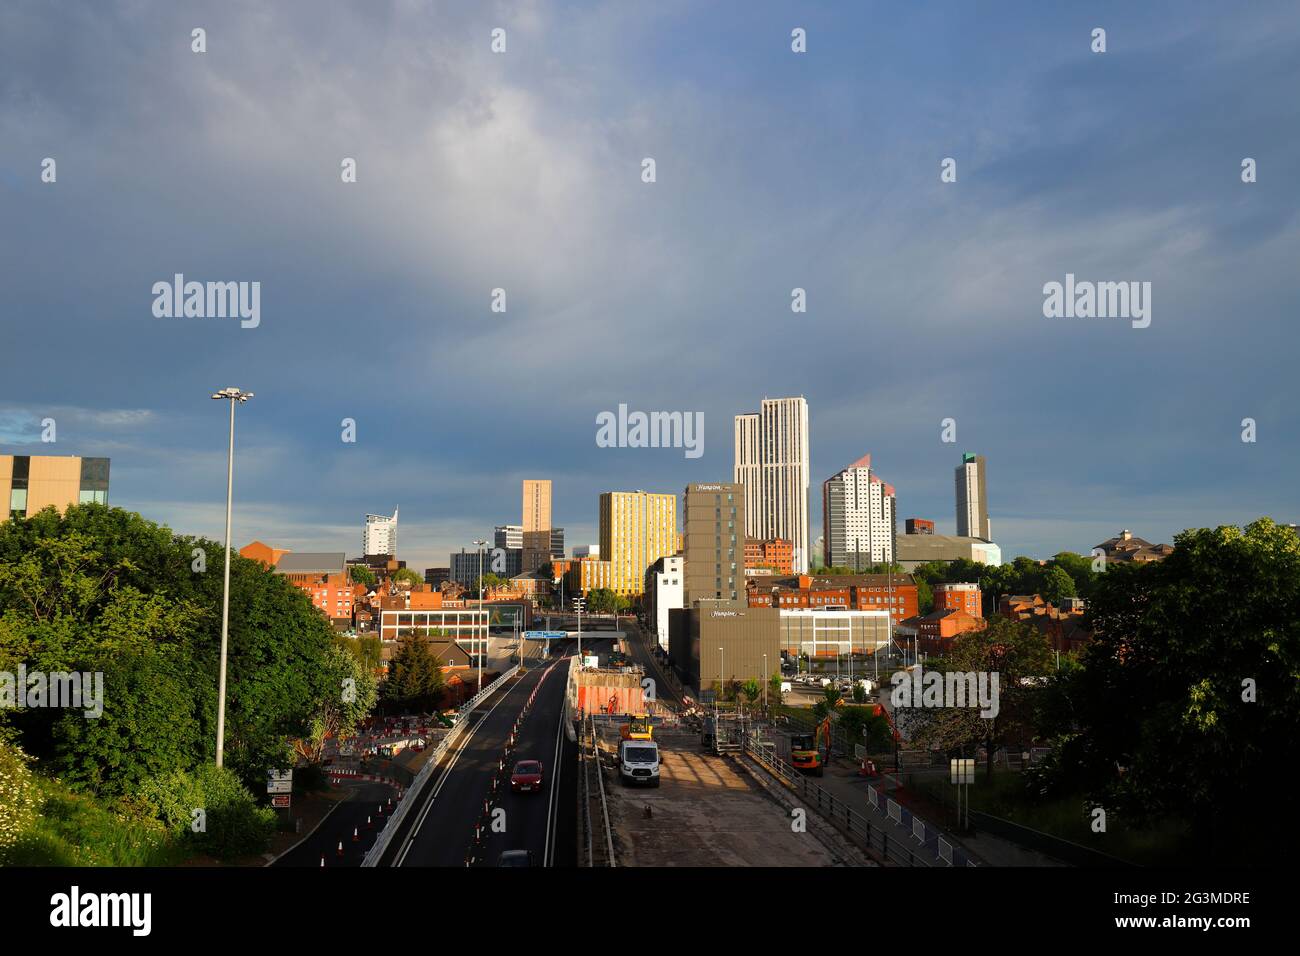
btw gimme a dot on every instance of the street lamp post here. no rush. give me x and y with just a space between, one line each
482 651
234 396
578 604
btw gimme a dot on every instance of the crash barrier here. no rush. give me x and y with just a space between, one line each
875 834
394 822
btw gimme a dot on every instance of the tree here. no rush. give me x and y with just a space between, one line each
604 601
1013 650
1055 585
1079 569
360 574
829 704
339 713
102 590
491 581
752 690
415 679
1188 691
774 693
406 576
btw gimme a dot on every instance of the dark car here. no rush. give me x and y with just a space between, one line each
527 777
515 858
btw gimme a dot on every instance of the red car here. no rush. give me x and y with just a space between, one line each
527 777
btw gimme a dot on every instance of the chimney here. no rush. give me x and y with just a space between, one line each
1126 534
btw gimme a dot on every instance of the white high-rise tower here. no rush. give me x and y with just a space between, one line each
772 464
380 535
859 517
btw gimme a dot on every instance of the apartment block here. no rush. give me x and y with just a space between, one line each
30 483
959 597
771 462
637 528
858 509
537 504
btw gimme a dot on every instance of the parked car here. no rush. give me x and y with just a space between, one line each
515 858
526 777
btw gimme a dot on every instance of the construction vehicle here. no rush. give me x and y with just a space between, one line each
806 749
638 727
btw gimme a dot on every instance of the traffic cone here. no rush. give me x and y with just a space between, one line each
322 859
340 853
356 836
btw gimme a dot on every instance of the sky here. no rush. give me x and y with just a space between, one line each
774 170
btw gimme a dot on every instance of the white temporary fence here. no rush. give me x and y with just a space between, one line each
395 821
918 830
895 811
945 851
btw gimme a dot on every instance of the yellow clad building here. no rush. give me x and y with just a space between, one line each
637 528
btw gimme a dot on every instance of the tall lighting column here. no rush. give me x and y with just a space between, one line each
234 396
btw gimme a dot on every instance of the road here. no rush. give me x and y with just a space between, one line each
439 829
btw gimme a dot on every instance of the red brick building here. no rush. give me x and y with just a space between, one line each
959 597
774 554
1062 626
858 592
936 631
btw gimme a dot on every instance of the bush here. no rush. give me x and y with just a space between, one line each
75 829
19 794
233 823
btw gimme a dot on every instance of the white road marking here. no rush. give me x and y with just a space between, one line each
446 773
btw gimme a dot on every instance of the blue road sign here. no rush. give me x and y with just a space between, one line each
545 635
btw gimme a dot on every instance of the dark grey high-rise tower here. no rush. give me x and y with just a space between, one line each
972 498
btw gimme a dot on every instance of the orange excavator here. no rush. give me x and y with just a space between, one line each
806 749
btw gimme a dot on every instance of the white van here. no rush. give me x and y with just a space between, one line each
638 762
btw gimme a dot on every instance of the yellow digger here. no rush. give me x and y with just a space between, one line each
638 727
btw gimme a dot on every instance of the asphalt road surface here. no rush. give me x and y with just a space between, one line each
439 829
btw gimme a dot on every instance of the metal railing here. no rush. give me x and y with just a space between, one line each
386 835
839 813
592 765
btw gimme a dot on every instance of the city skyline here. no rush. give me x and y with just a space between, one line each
1085 423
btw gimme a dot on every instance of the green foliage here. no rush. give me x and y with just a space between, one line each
353 693
752 690
406 575
415 678
360 574
1158 721
100 589
233 825
19 792
774 695
1011 649
78 829
605 601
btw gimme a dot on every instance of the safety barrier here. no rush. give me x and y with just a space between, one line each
395 821
836 811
